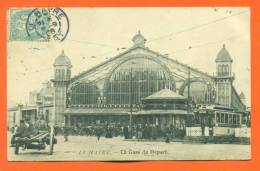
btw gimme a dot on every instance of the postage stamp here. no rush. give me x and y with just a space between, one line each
39 24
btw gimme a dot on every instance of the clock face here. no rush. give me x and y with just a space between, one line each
139 40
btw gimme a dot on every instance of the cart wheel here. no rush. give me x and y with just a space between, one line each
51 141
16 150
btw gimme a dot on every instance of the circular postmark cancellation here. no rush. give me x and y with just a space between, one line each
47 24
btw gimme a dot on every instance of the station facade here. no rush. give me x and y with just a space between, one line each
140 83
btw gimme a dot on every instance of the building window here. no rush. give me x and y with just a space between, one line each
218 118
60 74
234 119
136 79
222 118
84 93
199 93
226 118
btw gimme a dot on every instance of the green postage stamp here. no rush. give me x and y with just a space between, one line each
39 24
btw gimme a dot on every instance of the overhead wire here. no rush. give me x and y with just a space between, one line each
204 44
197 26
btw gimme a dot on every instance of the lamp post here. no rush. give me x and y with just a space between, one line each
131 102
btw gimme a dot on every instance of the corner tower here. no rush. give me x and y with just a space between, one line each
62 74
224 77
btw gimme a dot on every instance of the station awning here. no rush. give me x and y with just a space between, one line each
96 111
161 112
165 94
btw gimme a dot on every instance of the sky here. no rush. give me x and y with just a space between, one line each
192 36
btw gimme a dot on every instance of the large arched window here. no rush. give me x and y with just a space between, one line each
135 79
84 93
199 92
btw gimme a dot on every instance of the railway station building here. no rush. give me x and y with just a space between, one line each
142 85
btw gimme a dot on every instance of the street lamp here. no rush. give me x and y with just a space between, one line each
131 101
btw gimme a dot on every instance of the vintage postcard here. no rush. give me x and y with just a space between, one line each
128 84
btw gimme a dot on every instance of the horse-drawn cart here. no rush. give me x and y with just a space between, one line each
37 142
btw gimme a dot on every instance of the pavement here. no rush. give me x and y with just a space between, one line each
86 148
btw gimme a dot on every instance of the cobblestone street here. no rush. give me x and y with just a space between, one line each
86 148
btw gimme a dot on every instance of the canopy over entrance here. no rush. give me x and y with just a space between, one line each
165 94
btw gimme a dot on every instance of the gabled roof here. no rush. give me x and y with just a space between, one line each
237 98
165 94
162 57
223 55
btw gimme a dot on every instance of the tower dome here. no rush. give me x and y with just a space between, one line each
62 60
223 55
139 39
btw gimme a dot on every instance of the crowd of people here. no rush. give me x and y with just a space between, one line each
139 132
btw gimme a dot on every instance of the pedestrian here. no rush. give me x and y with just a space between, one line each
139 132
125 131
41 123
22 130
158 131
167 135
15 128
98 132
31 129
154 132
65 133
167 139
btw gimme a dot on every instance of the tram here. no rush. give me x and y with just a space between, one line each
218 124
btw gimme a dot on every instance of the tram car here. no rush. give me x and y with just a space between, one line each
37 142
217 124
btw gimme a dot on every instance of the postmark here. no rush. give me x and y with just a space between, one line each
39 24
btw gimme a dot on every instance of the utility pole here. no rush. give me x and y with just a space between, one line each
131 103
188 89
